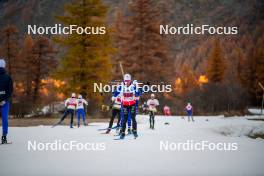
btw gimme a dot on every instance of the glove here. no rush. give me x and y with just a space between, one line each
2 103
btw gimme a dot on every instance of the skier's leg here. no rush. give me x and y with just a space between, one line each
188 114
129 121
5 111
63 117
134 122
114 112
72 114
118 117
121 118
153 122
149 119
118 120
192 117
124 121
84 117
78 116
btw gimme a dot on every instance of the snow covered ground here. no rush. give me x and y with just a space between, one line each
142 156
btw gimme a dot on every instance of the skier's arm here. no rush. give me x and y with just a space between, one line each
85 102
157 102
66 102
148 102
10 88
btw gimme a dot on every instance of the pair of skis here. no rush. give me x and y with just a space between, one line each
104 129
119 136
123 137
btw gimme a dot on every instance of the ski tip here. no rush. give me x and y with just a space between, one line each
118 139
5 143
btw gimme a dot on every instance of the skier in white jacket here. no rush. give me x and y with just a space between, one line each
80 110
70 105
152 109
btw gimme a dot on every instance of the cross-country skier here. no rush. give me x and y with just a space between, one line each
137 96
128 93
166 111
115 112
189 110
6 90
70 105
80 109
152 109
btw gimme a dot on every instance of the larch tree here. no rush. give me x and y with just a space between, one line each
120 37
43 63
9 47
258 69
216 64
27 66
147 52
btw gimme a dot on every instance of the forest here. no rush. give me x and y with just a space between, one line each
218 74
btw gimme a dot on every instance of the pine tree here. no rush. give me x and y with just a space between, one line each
9 48
86 60
216 64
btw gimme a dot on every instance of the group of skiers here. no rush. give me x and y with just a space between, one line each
73 104
125 104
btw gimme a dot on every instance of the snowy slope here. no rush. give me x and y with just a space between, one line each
141 156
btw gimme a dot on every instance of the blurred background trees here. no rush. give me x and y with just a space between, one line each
217 74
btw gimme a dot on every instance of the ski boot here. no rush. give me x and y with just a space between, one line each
71 126
117 130
122 135
4 140
85 124
108 131
129 131
78 125
135 134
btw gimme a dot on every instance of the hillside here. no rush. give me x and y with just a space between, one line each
247 15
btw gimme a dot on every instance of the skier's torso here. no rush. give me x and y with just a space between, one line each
128 95
188 107
6 86
80 103
117 102
152 104
166 110
71 103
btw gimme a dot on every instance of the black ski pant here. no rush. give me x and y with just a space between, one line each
115 112
66 113
151 119
129 110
